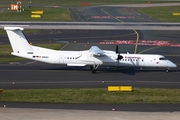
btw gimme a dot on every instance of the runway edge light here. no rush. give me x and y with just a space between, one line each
1 91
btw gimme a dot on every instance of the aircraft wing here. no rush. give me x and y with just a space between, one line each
96 51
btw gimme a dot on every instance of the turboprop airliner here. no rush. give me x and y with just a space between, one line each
94 57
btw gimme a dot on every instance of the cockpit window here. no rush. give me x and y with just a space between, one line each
162 58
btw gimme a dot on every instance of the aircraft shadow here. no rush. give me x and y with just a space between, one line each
129 71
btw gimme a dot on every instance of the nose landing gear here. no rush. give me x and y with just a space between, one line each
167 70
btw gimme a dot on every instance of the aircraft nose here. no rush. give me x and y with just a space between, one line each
173 65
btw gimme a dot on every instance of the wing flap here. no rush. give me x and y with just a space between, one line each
76 64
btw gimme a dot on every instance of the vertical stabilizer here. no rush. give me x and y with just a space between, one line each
18 41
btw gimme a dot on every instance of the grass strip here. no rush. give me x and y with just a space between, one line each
6 3
5 52
50 14
63 14
3 32
93 96
162 13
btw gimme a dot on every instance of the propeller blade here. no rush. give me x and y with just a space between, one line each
119 57
117 49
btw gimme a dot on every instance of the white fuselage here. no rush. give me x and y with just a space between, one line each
94 56
82 58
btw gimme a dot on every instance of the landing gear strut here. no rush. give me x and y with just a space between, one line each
94 68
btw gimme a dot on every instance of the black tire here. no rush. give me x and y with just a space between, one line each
93 71
91 68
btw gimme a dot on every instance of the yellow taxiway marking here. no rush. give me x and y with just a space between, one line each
137 35
111 15
137 40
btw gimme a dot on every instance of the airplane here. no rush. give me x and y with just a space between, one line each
94 57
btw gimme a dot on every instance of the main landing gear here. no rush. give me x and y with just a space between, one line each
94 68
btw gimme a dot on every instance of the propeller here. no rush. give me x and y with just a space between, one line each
119 57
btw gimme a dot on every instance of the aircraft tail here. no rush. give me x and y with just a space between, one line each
18 41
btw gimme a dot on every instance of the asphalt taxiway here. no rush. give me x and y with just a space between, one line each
109 14
51 76
30 74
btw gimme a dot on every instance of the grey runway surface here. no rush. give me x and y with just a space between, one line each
40 75
78 36
99 107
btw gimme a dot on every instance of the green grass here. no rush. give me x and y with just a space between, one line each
2 31
78 2
93 96
63 14
5 52
162 13
50 14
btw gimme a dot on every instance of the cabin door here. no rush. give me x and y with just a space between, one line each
61 59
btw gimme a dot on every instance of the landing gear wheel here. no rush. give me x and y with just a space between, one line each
93 71
167 70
